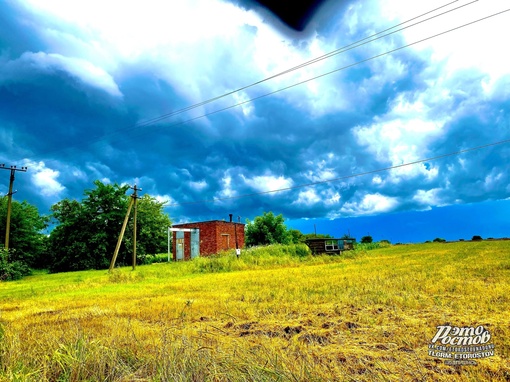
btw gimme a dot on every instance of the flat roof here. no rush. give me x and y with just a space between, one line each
330 238
208 221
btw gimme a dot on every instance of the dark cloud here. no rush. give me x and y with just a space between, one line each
76 118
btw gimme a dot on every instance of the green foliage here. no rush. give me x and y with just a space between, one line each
439 240
366 246
269 256
316 236
384 243
296 236
152 229
157 258
12 269
267 229
476 238
366 239
86 233
26 232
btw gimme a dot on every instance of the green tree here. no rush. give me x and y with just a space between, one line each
267 229
27 240
151 228
316 236
366 239
87 232
12 269
296 236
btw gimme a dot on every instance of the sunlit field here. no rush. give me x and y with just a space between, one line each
277 313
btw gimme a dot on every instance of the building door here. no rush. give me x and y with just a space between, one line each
179 244
195 242
225 241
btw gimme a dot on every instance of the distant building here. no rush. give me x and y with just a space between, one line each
191 240
330 245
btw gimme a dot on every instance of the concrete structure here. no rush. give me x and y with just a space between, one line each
211 237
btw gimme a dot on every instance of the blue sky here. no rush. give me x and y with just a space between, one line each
83 85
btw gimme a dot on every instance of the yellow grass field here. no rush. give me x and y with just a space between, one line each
276 314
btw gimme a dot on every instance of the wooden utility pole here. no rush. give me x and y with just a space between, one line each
132 203
114 258
9 201
135 198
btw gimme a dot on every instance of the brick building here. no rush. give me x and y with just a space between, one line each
205 238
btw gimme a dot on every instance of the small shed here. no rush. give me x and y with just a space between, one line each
205 238
330 245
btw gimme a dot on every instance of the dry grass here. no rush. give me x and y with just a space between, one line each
275 315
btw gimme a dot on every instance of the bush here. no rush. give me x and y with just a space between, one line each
13 270
151 259
366 239
384 243
366 246
439 240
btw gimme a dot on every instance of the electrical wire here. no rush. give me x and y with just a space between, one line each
342 177
331 72
344 49
335 52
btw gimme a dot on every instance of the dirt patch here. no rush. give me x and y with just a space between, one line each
327 325
314 339
292 330
246 325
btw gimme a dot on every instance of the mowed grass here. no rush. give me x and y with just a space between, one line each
275 314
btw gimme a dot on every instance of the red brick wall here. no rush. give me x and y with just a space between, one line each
215 236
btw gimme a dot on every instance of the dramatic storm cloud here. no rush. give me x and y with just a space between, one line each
115 91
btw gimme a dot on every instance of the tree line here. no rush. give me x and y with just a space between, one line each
84 233
269 228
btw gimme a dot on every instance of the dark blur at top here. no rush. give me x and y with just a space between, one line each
294 13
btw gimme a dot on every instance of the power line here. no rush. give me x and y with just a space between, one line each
342 177
344 49
333 71
335 52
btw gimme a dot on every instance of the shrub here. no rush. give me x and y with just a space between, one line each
366 239
439 240
151 259
366 246
384 243
13 270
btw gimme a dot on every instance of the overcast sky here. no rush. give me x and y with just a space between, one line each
102 90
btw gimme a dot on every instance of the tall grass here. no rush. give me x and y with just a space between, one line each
275 314
255 258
